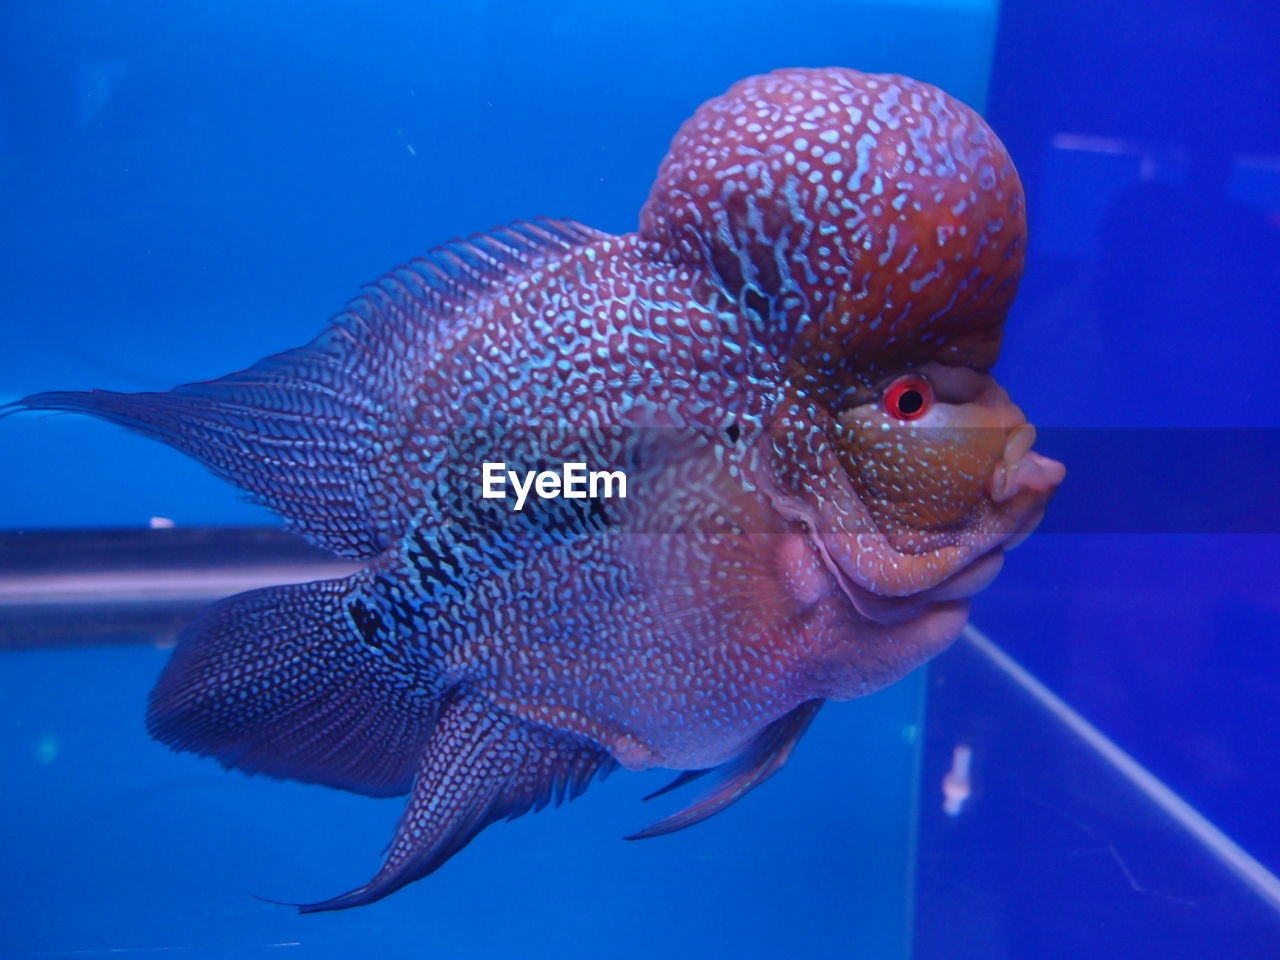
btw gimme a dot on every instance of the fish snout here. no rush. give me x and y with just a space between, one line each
1021 469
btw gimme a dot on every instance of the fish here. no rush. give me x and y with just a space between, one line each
789 361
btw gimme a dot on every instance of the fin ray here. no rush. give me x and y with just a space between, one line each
278 682
687 776
763 757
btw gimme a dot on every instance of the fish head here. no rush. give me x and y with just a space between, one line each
895 511
872 231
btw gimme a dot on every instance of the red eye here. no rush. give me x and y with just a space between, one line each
908 398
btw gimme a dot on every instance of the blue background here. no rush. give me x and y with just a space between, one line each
186 190
112 843
1147 135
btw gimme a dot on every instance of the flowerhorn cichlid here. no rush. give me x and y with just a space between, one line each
805 470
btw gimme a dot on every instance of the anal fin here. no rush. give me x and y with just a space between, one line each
479 765
762 758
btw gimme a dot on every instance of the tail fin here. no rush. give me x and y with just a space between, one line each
293 682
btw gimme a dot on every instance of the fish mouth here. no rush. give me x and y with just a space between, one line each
891 576
1003 511
1021 486
956 590
888 585
1022 469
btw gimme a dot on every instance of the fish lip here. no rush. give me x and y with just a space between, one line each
1029 518
1021 468
960 587
1014 521
875 606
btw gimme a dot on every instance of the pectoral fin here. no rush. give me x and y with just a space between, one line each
763 757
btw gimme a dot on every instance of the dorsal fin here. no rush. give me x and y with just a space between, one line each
454 276
304 431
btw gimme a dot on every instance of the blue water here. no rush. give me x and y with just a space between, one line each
1148 139
188 189
112 843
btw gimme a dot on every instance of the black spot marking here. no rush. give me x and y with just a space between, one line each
368 623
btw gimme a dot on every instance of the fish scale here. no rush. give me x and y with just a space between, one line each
812 237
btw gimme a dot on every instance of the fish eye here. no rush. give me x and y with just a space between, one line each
909 397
